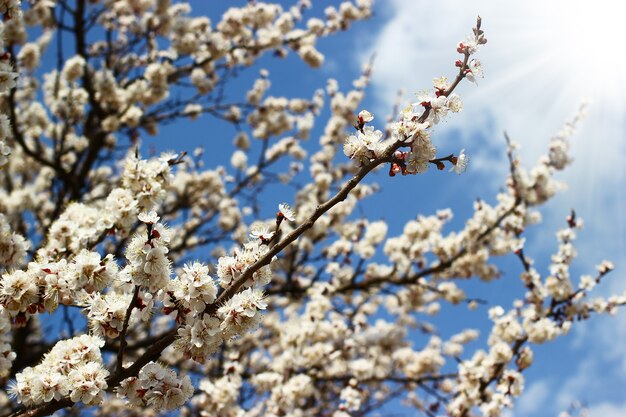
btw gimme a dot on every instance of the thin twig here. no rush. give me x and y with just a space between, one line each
123 342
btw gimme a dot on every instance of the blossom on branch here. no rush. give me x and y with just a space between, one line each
197 300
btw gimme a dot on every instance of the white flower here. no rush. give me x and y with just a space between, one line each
461 163
5 129
469 44
541 330
194 287
241 313
438 109
156 261
200 339
352 147
193 110
18 290
239 160
74 68
92 273
286 211
454 103
351 398
5 151
441 83
422 151
365 116
157 387
151 374
8 77
474 71
106 313
166 157
364 145
262 232
605 266
149 217
88 383
230 268
49 386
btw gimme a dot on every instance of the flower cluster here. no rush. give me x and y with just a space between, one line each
157 387
106 313
194 288
308 310
73 367
13 246
200 338
146 180
148 265
230 268
412 129
242 312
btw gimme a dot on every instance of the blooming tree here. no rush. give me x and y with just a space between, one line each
168 288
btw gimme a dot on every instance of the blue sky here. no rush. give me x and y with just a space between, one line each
541 62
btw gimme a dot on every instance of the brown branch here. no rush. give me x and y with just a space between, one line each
296 233
151 354
44 410
434 269
123 342
387 156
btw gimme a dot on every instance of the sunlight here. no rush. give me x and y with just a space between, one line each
589 39
543 59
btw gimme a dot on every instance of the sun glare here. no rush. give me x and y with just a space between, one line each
586 43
